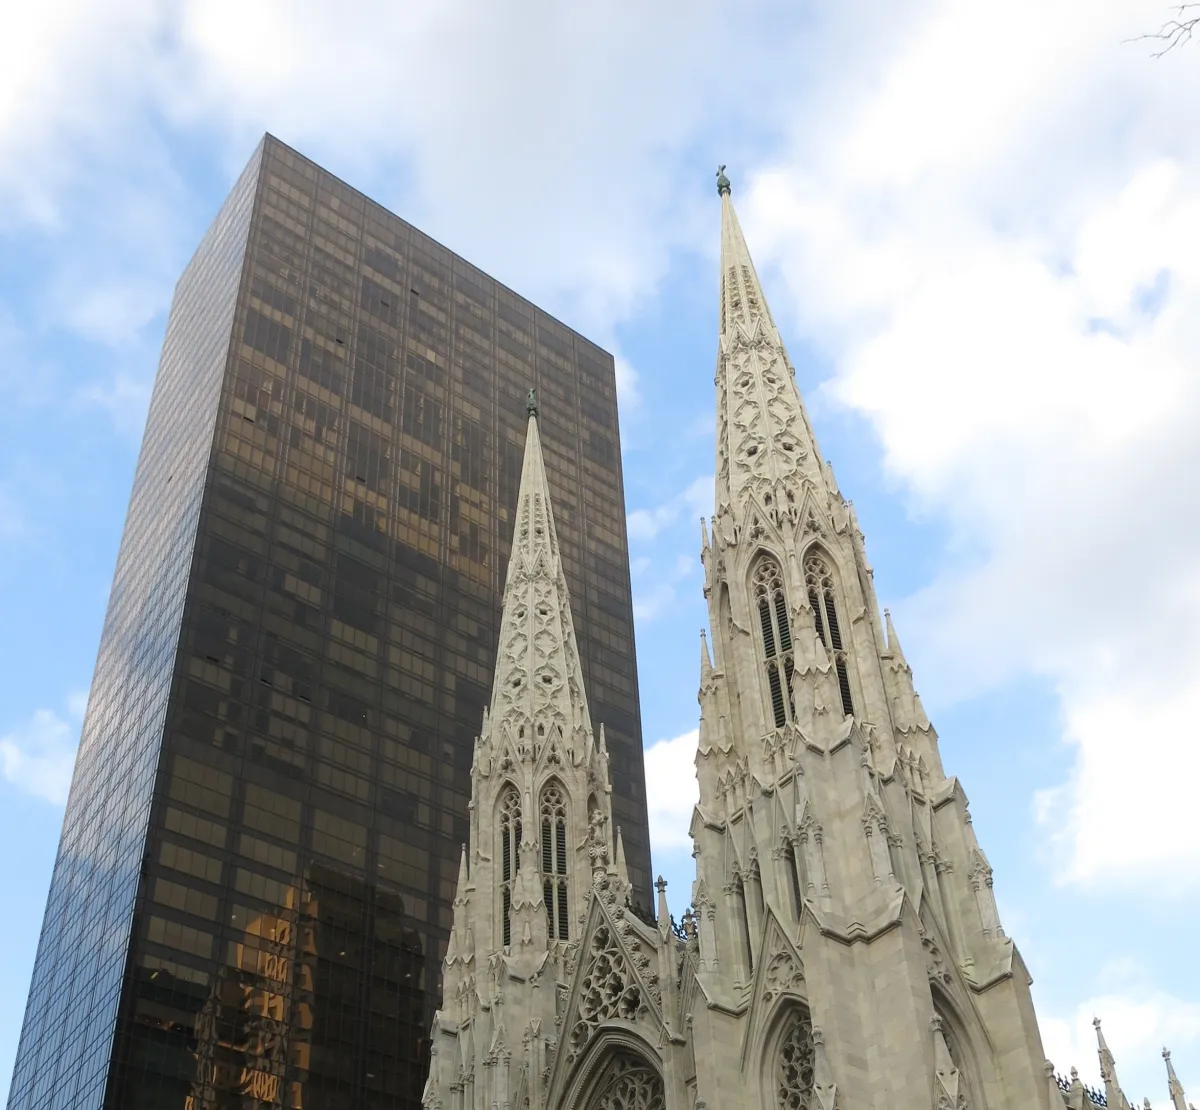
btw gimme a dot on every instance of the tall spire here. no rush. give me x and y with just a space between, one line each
764 439
538 682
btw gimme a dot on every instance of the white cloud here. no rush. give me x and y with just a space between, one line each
125 398
628 396
38 756
546 138
652 600
996 247
672 790
644 525
999 251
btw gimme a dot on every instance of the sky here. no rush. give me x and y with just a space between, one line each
978 227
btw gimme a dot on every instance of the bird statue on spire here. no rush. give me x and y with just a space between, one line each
723 187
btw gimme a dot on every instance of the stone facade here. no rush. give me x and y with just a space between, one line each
843 947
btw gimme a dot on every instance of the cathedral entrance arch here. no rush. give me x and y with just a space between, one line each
619 1073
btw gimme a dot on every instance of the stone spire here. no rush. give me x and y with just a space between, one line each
538 681
1174 1087
1114 1096
764 439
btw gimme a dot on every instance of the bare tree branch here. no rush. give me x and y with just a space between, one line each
1176 30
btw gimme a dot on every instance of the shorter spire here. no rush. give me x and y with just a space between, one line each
664 916
1174 1087
460 893
705 659
1113 1094
622 867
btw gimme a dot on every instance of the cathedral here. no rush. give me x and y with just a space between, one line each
842 949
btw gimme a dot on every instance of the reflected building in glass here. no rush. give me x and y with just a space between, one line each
253 889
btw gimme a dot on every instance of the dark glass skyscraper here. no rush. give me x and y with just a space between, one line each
253 889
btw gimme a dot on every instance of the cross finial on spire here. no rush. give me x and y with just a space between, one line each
723 187
531 403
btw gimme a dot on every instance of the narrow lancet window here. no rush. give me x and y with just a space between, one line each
776 630
743 914
821 596
554 861
793 875
510 845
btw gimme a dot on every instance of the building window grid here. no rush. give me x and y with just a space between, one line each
337 326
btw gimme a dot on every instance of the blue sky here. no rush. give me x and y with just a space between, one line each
979 230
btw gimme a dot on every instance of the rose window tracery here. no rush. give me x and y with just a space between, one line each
629 1084
607 991
794 1067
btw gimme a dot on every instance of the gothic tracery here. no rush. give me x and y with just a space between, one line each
608 989
822 596
509 824
770 602
554 860
796 1057
629 1084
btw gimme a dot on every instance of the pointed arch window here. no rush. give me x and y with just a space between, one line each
742 909
554 861
770 603
818 579
795 1063
792 866
510 846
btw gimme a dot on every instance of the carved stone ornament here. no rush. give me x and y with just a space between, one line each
629 1084
794 1066
608 990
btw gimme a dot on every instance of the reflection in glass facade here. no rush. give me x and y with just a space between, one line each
253 890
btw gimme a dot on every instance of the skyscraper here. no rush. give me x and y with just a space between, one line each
253 890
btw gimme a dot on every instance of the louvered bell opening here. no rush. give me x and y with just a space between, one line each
547 848
835 633
844 686
768 633
506 852
548 898
777 705
781 617
560 836
815 601
505 913
563 916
